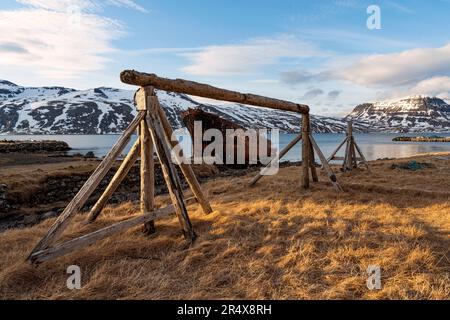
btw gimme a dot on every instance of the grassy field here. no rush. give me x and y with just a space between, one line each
272 241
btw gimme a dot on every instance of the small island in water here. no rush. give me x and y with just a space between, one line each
422 139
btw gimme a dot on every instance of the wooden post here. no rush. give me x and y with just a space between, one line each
169 171
306 152
312 158
348 165
88 188
147 177
121 173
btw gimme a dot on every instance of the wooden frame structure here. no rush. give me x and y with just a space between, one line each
154 134
309 145
206 91
350 160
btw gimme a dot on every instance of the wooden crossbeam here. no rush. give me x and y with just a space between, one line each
203 90
275 160
326 165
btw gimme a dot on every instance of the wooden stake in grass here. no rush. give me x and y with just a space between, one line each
147 176
306 152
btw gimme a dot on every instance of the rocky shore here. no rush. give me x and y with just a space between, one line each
33 146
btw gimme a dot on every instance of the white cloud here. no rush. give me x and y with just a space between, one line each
245 58
61 5
82 5
128 4
407 67
436 86
58 39
61 45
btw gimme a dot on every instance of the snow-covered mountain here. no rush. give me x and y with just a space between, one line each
57 110
414 114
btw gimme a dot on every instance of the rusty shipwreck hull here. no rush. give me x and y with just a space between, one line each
240 139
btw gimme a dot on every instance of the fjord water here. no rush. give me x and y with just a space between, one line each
373 145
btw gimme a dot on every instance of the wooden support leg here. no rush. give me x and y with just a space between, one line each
362 157
347 166
275 160
121 173
354 159
147 176
88 188
312 158
306 153
186 168
170 174
326 165
348 163
337 150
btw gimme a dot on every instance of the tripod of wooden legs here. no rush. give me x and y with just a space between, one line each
155 134
350 160
309 145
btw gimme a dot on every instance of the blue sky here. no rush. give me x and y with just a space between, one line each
316 52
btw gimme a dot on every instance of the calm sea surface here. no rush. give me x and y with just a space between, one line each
374 145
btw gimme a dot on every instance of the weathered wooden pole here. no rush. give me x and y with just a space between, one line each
147 177
275 160
312 158
349 154
168 168
306 152
186 168
120 174
203 90
326 165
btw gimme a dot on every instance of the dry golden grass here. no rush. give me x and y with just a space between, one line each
273 241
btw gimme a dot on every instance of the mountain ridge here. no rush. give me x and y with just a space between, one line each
105 110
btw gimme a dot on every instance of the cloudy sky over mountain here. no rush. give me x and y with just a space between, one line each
316 52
